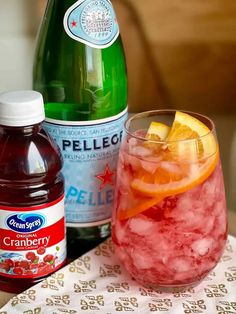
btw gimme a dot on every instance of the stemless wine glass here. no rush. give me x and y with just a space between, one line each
169 224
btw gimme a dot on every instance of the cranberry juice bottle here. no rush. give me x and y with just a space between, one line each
32 223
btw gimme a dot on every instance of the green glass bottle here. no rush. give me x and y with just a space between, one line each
80 70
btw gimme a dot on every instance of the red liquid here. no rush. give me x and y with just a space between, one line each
30 165
173 242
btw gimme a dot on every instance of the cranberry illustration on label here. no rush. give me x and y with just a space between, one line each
31 248
32 264
30 256
41 250
18 270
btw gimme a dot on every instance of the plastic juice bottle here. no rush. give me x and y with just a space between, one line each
80 70
32 218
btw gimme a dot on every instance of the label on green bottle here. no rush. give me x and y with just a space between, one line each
92 22
90 151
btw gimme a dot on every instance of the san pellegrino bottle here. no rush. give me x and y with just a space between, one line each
80 69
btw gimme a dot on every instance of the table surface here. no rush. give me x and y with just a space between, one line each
5 296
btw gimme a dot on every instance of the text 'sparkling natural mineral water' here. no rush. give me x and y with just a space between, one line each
80 70
32 218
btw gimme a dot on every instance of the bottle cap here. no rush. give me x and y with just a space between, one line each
21 108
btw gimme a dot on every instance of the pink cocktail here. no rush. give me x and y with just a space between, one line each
169 223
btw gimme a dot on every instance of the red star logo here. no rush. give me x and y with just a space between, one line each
106 177
73 23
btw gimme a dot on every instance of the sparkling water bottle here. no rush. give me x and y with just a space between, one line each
80 69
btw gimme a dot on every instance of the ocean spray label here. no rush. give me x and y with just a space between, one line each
32 242
92 22
90 151
25 222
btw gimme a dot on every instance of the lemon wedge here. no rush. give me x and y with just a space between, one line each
157 131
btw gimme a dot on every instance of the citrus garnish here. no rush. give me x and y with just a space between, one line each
185 169
157 131
188 127
136 206
169 184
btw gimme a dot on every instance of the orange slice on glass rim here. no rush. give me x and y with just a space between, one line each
191 168
185 127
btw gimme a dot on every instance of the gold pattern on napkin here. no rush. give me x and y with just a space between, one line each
97 283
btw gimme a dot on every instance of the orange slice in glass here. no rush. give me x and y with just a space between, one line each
137 205
187 169
170 184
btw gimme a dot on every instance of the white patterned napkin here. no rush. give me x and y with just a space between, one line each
97 283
